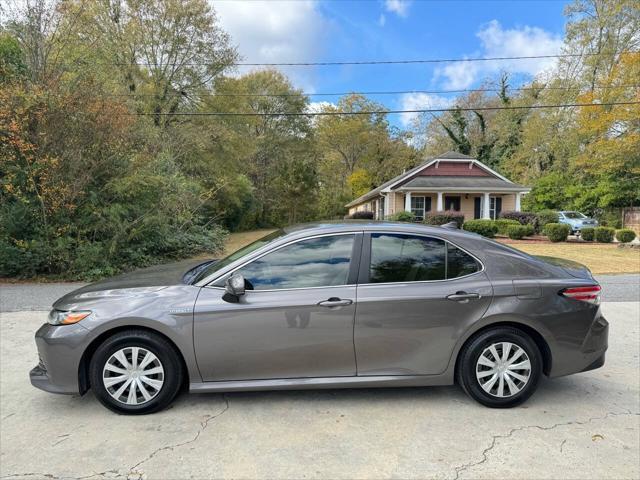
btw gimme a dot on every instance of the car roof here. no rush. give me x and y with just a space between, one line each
318 228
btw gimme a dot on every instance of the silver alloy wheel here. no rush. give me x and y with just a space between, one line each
133 375
503 369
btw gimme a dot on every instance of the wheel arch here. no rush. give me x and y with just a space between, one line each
535 335
83 368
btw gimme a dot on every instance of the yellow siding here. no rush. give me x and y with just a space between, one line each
509 202
467 206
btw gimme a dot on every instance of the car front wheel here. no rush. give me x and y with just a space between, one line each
135 372
500 367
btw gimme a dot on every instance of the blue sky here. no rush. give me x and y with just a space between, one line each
344 30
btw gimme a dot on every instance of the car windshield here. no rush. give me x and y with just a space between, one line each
574 215
214 267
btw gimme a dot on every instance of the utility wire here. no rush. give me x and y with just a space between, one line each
381 92
379 112
364 62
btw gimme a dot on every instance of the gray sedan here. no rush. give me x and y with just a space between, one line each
328 306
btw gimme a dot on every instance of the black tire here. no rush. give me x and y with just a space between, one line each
470 353
154 343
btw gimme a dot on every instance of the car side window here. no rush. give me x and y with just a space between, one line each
315 262
406 258
460 263
411 258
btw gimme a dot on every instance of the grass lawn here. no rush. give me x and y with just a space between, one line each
600 258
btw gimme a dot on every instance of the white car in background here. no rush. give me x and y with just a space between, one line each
576 220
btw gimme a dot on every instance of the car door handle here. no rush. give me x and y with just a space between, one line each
335 302
463 297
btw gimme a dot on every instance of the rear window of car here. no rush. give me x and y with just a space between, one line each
412 258
460 263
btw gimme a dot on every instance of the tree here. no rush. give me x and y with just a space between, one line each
275 152
610 136
350 143
12 61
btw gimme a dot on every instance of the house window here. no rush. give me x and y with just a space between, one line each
495 207
452 203
419 206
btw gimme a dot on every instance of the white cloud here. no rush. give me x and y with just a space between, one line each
276 31
420 101
460 74
315 107
399 7
496 41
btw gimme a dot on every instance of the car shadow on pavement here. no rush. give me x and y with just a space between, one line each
550 392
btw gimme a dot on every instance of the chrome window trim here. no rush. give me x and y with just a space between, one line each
482 269
297 240
286 289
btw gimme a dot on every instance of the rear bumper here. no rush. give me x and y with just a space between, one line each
589 356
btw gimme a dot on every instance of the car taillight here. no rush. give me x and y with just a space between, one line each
590 294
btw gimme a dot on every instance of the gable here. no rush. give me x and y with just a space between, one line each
458 169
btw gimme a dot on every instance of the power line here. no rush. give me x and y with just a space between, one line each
380 92
419 61
380 112
364 62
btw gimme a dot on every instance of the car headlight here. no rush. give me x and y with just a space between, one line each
59 317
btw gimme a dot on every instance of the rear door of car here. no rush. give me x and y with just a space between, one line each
416 295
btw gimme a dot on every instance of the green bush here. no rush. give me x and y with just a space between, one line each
486 228
604 234
625 235
524 218
557 232
609 218
517 232
504 223
587 234
547 216
441 218
402 216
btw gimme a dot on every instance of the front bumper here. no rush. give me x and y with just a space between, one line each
60 349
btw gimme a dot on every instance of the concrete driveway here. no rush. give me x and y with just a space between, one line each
583 426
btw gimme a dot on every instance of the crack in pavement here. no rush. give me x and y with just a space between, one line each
132 474
562 444
464 467
51 476
203 426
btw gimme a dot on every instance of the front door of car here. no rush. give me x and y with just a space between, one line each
416 295
295 319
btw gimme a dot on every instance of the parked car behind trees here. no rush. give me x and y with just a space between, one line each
576 220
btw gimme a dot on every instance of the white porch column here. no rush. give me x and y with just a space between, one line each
518 195
387 199
407 201
486 212
439 205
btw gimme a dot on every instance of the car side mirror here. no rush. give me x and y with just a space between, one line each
234 288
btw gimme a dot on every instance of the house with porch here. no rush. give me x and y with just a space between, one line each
451 181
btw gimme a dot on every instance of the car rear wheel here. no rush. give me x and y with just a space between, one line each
500 367
136 372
